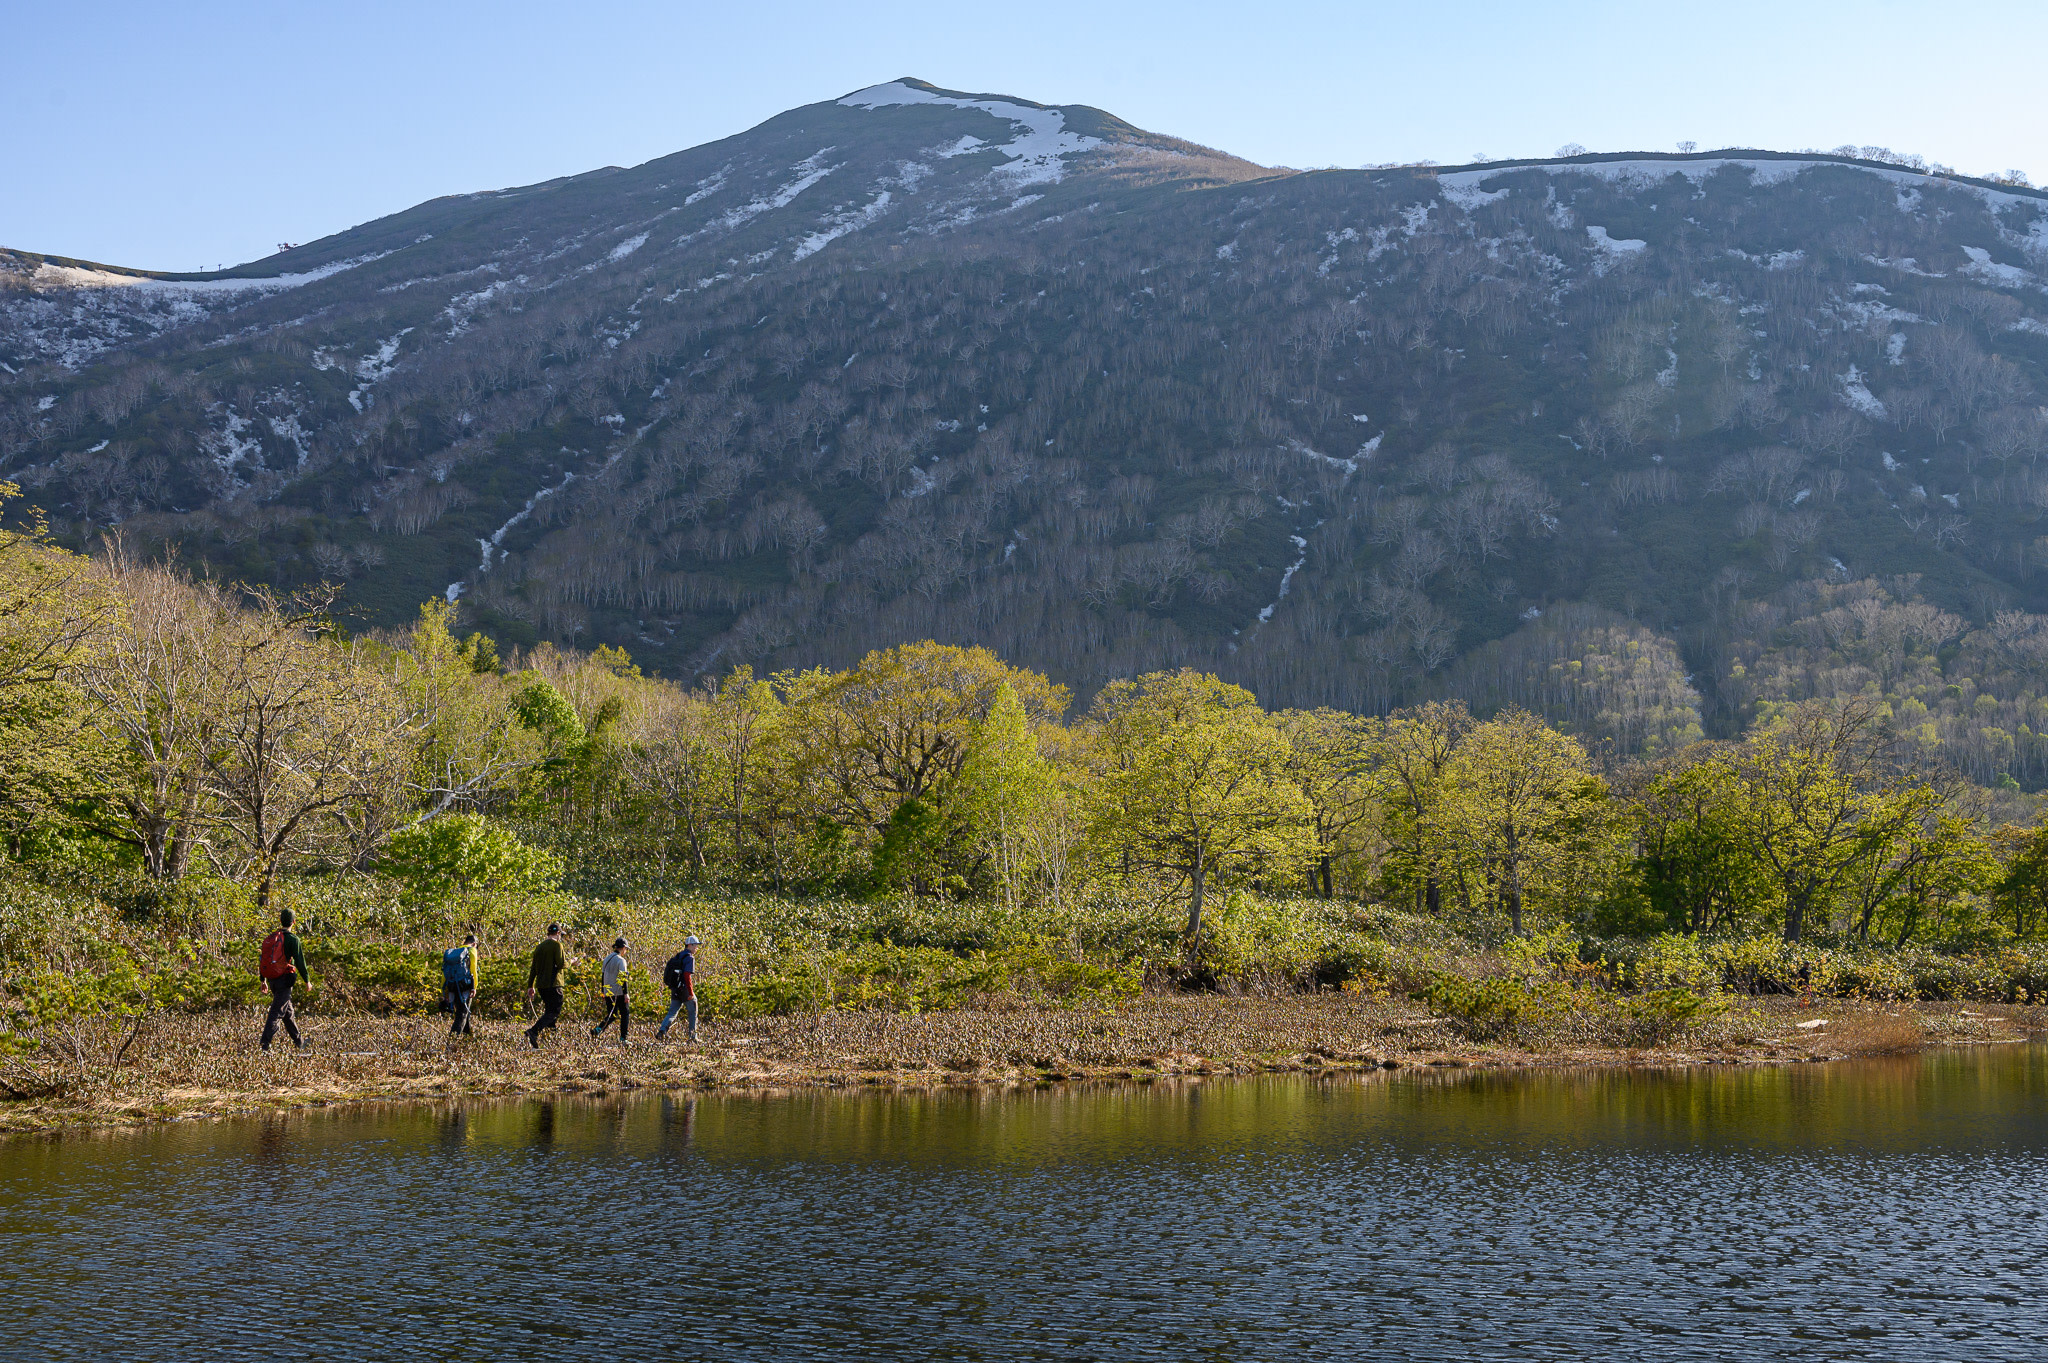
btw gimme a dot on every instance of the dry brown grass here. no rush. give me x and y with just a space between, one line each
1876 1034
209 1063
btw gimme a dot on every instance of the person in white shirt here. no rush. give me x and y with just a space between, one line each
615 1003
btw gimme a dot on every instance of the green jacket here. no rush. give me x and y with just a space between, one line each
548 964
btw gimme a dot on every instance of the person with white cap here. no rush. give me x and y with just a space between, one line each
680 975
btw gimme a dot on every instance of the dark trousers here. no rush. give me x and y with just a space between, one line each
458 1001
281 1010
615 1005
551 1012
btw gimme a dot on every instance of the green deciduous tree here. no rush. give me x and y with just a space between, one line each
1822 789
1411 755
1693 866
1194 786
1522 808
1333 763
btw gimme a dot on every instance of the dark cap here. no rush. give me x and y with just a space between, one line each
618 944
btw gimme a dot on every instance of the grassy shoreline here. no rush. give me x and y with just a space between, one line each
208 1065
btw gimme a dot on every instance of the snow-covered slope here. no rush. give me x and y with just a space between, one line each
915 362
904 157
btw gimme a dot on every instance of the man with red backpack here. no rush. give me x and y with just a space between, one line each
283 965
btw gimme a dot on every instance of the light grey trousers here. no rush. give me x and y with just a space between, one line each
678 1003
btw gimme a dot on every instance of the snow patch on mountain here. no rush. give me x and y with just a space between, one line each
1349 466
1615 246
1286 578
1984 268
1468 195
229 448
1612 249
48 276
373 368
463 306
1905 265
839 224
1859 396
809 171
287 427
495 544
707 186
71 314
1039 142
1646 173
1863 313
627 247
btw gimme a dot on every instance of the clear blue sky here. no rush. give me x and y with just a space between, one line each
179 136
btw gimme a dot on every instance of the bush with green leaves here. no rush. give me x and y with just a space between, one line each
890 978
64 1026
1500 1009
1660 1016
462 854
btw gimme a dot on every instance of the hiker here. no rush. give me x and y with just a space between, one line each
545 975
1805 978
458 982
615 993
282 965
680 975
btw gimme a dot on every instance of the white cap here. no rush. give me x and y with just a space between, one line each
689 941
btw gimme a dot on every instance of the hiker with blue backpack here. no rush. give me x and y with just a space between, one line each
458 983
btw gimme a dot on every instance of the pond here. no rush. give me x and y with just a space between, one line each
1873 1208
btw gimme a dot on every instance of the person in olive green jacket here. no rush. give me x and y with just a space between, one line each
545 976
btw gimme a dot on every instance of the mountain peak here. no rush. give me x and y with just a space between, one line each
915 362
911 90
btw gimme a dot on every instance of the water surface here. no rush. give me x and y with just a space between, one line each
1863 1209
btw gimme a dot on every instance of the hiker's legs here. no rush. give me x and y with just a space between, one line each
691 1004
463 998
606 1020
551 1011
675 1005
625 1016
281 1011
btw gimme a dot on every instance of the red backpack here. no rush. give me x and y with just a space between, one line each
275 960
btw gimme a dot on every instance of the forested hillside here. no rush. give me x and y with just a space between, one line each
185 735
1652 445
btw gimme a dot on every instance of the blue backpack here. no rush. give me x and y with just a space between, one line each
455 968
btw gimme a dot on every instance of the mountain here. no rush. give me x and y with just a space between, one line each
1657 438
